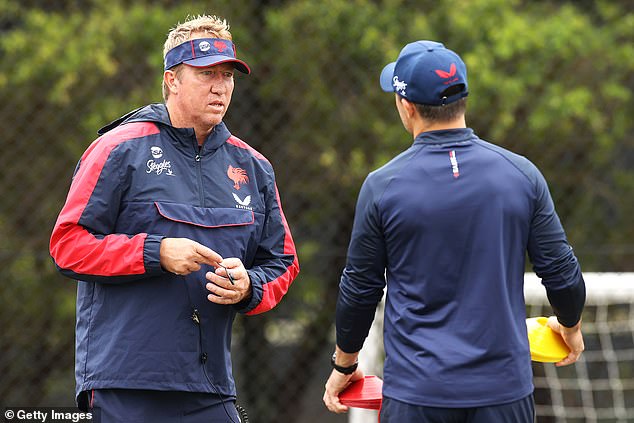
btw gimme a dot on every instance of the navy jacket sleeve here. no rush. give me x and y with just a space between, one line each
83 244
363 279
553 258
275 265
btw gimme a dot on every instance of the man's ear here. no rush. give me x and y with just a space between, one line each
409 107
170 80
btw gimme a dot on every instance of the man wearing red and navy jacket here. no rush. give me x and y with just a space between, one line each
172 225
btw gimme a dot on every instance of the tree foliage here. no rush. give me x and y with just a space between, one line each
551 80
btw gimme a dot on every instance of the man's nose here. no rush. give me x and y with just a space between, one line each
218 86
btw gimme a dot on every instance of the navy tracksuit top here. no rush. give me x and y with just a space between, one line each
447 224
140 327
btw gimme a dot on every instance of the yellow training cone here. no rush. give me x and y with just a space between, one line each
546 345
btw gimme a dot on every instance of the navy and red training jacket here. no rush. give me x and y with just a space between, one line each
140 327
447 225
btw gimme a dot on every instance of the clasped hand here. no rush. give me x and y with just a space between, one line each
228 284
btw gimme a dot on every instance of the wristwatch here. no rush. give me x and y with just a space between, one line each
345 370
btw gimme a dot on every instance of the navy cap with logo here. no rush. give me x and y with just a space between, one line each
203 52
426 72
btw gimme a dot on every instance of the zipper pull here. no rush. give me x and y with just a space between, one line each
196 316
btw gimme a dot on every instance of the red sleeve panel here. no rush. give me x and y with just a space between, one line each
273 291
84 245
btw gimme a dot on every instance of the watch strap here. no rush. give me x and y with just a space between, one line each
341 369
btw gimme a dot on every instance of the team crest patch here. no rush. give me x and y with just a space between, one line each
238 176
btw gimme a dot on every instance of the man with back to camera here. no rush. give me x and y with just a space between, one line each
172 225
446 225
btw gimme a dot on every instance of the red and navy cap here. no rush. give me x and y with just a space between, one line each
204 52
426 72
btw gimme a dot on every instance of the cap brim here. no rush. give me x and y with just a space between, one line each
203 62
387 74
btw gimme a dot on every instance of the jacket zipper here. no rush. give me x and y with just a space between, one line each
199 171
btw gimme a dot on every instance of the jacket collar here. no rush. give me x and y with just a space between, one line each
216 137
445 136
157 113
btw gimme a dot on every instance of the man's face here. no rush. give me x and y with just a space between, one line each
204 94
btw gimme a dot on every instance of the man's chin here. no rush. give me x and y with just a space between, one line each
215 119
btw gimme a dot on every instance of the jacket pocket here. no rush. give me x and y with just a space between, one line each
203 216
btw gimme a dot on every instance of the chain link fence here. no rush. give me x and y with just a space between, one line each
541 84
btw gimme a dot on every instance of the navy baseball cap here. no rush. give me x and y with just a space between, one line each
203 52
426 72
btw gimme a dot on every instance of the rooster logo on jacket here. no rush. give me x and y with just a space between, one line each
238 176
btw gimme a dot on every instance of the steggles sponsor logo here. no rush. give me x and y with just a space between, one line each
154 166
159 168
399 86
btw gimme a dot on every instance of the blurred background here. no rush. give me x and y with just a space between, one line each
551 80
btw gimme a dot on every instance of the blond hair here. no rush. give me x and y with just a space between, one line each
209 25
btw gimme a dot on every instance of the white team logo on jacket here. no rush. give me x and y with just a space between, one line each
154 166
242 204
157 152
